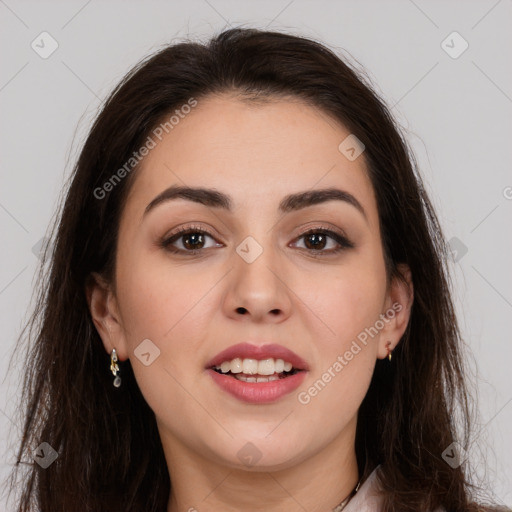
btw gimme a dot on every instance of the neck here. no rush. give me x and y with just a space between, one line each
198 484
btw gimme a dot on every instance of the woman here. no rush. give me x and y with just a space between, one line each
248 304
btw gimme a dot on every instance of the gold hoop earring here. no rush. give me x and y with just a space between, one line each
114 368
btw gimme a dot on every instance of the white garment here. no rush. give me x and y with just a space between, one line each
367 499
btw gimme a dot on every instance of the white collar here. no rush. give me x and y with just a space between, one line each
366 499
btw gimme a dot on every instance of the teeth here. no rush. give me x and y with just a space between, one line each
236 365
250 366
266 367
225 367
241 376
253 366
267 379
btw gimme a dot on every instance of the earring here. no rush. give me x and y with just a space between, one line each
114 368
388 345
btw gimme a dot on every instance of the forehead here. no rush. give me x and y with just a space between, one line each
257 153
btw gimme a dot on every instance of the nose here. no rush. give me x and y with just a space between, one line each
257 290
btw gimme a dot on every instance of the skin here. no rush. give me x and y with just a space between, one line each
188 306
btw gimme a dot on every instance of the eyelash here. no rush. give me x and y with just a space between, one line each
343 241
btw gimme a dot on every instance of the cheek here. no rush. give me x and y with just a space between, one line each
345 354
153 310
172 308
345 300
347 303
157 299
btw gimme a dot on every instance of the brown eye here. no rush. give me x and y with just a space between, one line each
316 240
192 241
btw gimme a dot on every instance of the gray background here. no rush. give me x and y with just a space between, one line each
456 113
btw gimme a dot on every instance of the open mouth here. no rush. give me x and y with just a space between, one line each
253 376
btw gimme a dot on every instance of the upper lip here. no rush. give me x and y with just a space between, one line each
260 352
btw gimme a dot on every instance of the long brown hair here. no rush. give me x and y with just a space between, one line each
109 451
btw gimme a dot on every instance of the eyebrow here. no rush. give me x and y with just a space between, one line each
214 198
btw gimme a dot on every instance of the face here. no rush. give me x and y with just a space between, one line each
250 274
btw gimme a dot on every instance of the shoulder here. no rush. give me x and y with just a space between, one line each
369 498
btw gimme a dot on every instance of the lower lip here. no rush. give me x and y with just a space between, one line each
258 392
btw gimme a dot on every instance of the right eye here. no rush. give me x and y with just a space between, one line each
192 243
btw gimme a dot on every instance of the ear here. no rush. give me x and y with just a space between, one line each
397 310
105 314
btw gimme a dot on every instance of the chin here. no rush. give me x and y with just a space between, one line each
267 463
264 454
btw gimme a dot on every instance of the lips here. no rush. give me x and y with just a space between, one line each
258 393
260 352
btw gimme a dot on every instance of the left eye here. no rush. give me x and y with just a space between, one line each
316 241
192 238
